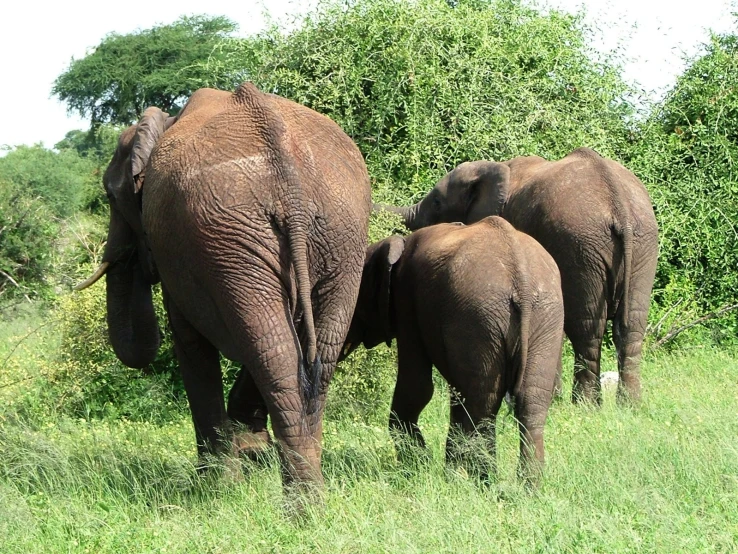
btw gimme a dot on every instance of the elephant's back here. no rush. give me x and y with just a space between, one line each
473 264
575 206
233 151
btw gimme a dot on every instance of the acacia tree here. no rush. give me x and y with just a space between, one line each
160 67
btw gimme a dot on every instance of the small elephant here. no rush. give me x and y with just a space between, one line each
480 302
253 211
595 218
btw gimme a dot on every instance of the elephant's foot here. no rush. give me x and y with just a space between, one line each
530 473
629 389
586 389
251 445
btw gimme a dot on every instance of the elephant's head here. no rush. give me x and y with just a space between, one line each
127 262
472 191
373 317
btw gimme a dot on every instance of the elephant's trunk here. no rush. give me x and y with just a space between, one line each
411 215
132 325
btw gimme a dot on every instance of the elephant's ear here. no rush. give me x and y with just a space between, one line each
489 191
390 252
152 125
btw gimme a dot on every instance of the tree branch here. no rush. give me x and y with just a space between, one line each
9 278
673 333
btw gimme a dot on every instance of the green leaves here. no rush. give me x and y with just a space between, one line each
65 181
27 231
687 156
423 85
159 67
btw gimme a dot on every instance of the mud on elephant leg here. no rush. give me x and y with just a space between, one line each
413 391
248 413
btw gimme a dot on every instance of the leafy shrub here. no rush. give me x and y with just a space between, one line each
422 85
27 235
65 181
87 380
363 382
96 146
687 156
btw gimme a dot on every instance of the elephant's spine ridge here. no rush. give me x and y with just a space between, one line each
296 216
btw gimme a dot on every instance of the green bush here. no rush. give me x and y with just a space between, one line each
687 156
28 231
362 385
87 380
65 181
422 85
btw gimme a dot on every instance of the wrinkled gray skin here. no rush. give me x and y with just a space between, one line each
595 218
253 211
483 304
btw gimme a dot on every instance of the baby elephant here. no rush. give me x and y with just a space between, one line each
483 304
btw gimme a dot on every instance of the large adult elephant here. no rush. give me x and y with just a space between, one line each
253 211
595 219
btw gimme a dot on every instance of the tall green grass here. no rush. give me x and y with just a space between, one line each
660 478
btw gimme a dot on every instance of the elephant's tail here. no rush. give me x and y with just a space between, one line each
524 306
311 367
627 236
295 220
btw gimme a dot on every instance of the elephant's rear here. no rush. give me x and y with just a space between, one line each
291 189
259 211
504 333
634 279
503 290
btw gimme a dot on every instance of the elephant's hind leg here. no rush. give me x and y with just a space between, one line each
471 441
585 319
413 390
271 351
531 407
586 336
199 364
248 412
628 334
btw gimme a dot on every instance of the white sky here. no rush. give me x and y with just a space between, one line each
37 42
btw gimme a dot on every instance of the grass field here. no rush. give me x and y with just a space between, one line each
660 478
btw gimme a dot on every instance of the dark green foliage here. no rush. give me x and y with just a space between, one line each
98 144
160 67
27 233
687 156
362 384
65 181
421 86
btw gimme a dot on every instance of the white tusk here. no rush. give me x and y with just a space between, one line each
99 272
347 349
